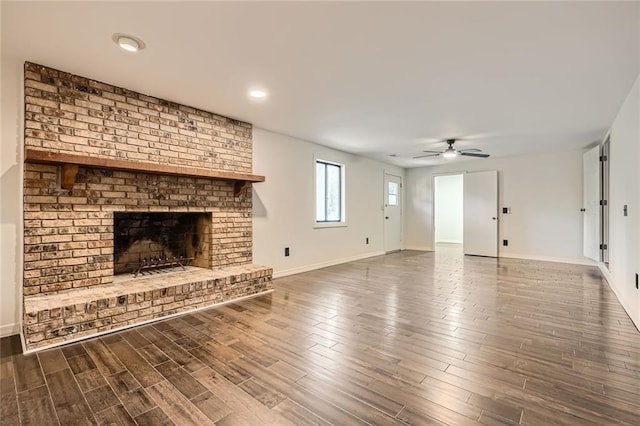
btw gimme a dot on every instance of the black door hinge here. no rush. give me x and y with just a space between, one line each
603 158
603 202
603 246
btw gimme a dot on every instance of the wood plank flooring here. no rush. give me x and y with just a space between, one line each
408 338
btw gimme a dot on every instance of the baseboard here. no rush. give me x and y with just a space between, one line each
313 267
609 279
9 329
572 261
449 242
607 275
418 248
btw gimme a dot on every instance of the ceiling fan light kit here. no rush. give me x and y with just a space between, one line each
449 153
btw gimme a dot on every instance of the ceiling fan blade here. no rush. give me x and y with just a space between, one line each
471 154
428 155
435 152
470 150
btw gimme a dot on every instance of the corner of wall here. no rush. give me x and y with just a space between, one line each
11 172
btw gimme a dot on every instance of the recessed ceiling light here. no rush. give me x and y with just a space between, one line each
128 42
257 94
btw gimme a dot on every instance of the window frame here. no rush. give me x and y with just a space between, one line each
343 214
389 194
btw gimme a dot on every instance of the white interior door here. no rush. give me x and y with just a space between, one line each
392 213
591 206
480 236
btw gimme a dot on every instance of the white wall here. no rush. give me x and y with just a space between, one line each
448 207
624 237
11 196
283 206
543 191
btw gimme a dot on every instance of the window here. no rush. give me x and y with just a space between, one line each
393 194
329 192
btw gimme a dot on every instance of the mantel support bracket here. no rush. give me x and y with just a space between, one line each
68 174
240 187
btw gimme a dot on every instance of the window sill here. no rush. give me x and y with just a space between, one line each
320 225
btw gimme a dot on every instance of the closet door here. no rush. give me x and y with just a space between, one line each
591 203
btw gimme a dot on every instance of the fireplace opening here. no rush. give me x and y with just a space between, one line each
149 242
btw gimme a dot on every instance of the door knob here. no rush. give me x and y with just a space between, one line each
386 217
493 218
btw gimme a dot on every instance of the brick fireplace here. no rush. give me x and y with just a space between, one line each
112 177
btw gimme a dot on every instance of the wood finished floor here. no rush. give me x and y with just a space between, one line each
408 338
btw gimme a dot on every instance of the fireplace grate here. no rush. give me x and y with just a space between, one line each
159 264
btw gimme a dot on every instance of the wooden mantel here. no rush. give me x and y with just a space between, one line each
70 164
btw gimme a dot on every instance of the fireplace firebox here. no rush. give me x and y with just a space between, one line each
150 242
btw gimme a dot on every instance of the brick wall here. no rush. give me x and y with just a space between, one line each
72 114
69 234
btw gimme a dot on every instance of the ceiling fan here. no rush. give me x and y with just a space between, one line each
450 152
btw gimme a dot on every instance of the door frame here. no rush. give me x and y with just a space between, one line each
400 206
605 198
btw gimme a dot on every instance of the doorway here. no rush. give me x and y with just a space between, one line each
479 210
392 213
448 212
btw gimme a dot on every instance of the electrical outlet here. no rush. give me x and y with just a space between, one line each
367 240
505 242
286 251
506 210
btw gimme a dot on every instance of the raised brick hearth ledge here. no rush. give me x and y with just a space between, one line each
54 319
